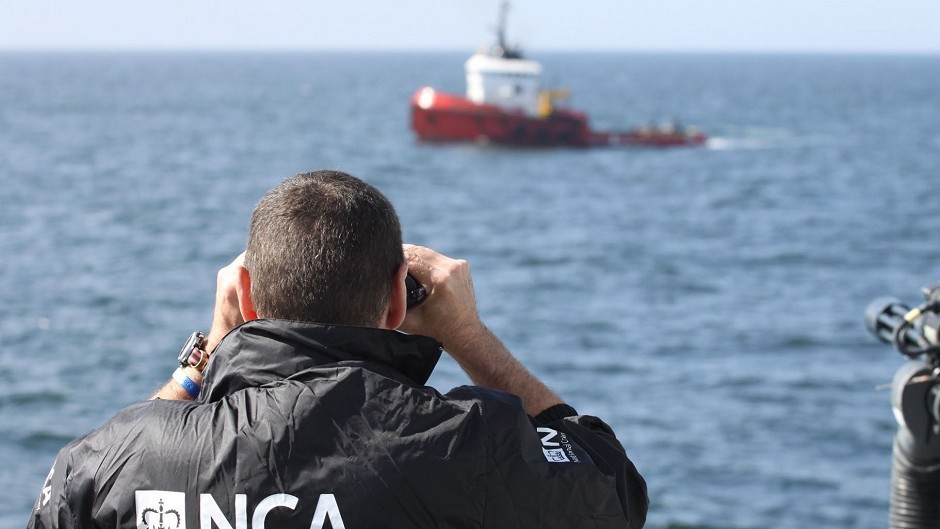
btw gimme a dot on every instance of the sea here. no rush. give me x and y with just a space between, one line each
706 302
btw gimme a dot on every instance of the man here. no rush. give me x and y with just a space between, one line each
311 409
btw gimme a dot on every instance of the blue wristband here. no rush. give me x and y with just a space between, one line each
191 387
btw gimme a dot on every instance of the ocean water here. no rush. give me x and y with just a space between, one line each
706 302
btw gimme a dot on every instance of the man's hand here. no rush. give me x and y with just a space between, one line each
227 314
450 316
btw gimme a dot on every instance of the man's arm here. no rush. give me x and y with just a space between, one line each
553 466
450 316
226 316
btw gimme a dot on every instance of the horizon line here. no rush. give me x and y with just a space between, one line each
449 50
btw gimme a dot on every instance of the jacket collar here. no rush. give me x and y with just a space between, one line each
263 351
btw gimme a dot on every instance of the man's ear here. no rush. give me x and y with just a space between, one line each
397 300
245 304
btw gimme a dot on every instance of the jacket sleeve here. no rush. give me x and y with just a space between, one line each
558 469
52 508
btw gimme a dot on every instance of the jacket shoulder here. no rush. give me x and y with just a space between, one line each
68 494
559 469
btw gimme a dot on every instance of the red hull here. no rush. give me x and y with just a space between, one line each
437 116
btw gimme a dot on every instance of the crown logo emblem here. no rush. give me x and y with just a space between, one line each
162 516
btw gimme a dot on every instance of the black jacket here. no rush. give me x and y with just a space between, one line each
302 425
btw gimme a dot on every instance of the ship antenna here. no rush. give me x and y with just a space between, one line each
501 25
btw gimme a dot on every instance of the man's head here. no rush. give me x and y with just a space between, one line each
324 247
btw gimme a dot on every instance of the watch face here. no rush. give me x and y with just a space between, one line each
194 343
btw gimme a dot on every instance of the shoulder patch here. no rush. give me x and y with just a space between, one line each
556 446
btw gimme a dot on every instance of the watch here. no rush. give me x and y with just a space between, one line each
193 354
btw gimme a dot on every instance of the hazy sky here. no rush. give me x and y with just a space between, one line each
680 25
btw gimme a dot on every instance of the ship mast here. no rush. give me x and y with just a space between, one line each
503 49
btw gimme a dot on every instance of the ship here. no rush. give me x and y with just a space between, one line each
506 104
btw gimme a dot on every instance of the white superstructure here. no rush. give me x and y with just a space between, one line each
510 83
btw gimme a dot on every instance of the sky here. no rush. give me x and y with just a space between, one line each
840 26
